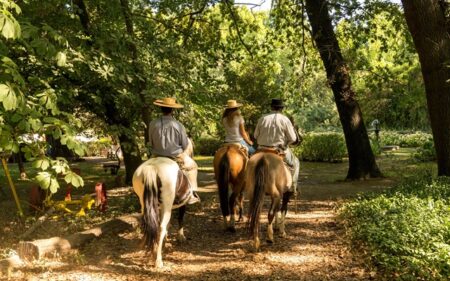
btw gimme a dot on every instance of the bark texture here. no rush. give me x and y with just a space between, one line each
361 159
428 22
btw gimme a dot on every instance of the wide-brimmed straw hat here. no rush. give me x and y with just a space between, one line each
168 102
233 104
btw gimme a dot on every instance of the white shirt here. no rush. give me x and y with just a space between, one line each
232 133
275 129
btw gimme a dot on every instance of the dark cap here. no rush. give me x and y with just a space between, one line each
277 103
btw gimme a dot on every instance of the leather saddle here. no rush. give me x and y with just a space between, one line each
237 145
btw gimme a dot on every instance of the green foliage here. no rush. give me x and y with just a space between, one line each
416 139
385 66
32 107
207 146
426 152
406 231
322 147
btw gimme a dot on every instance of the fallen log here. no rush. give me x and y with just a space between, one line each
34 250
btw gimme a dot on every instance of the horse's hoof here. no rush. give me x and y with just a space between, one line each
181 238
283 235
269 241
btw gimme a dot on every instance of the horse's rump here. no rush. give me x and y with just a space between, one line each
229 166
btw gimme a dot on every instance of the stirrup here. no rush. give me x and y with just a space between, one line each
194 198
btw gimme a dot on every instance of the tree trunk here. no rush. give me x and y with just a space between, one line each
131 156
430 31
361 159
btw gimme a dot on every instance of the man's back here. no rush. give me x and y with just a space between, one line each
274 129
167 136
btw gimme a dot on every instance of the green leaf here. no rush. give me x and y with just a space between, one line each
61 59
10 28
41 163
74 179
8 97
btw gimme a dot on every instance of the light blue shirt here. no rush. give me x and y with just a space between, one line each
167 136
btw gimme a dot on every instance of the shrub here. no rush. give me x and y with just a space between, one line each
415 139
207 146
426 152
405 231
322 147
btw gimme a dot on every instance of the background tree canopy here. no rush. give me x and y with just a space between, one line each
67 65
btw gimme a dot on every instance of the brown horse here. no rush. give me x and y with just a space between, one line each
267 174
229 170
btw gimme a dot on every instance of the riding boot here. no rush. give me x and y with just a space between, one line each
192 178
191 170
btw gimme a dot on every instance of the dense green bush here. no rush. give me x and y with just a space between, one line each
426 152
406 231
207 146
415 139
322 147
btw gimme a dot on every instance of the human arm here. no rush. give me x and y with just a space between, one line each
244 134
183 138
291 135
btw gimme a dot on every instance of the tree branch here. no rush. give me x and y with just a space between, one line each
233 16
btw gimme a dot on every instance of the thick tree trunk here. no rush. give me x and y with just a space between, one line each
131 156
430 30
361 159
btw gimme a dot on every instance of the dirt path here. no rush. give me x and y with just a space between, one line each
313 250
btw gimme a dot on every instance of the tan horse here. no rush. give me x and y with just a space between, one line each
266 174
229 170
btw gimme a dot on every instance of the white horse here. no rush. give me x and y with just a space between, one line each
161 187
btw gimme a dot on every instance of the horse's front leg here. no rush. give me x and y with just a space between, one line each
165 218
284 206
181 212
274 207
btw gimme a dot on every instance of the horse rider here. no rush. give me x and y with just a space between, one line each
233 122
275 131
168 138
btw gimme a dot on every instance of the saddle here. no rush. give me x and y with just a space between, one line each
272 150
182 190
237 145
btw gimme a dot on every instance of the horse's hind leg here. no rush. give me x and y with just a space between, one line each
232 207
240 203
165 218
286 198
181 212
274 207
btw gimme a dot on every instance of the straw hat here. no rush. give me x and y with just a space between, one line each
168 102
233 104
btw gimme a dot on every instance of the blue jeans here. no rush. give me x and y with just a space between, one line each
251 149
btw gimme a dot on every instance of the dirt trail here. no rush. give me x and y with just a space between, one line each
313 250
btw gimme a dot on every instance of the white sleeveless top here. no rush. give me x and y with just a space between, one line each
232 133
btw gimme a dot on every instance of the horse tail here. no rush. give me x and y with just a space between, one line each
150 220
256 203
223 181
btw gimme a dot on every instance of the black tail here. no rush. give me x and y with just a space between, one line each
150 221
261 173
223 181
